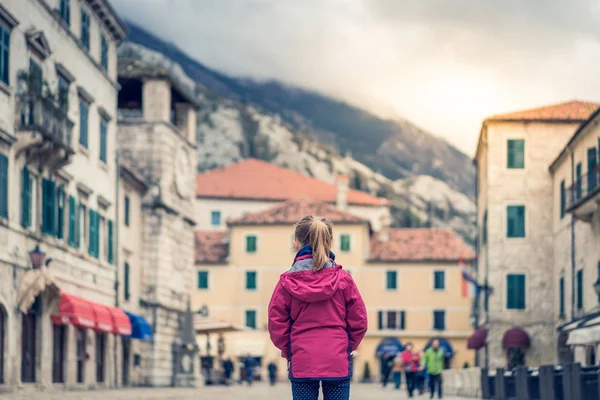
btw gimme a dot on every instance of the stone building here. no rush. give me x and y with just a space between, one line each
517 252
156 138
410 280
576 221
59 325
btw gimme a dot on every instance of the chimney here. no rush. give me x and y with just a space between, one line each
384 230
341 198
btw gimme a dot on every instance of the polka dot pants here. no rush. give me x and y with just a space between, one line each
332 390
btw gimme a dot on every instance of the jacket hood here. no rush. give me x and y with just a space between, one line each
312 286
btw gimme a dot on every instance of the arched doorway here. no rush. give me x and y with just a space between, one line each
29 341
2 341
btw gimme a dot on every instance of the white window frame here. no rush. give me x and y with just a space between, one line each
505 292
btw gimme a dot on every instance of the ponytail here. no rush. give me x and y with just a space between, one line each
318 233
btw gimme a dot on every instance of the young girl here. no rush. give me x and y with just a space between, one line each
317 316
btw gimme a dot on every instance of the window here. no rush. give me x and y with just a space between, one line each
251 244
104 52
36 78
3 186
561 287
126 293
4 54
63 94
391 280
439 280
101 237
202 279
439 320
110 245
251 280
391 319
60 212
65 11
103 128
484 233
72 222
515 292
345 242
126 210
578 182
515 221
563 198
82 225
580 289
215 218
592 174
516 154
251 319
84 109
26 198
85 29
48 207
93 242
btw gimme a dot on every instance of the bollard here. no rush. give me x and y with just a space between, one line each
522 383
567 382
485 384
576 390
547 382
500 385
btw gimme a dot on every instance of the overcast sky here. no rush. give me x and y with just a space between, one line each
443 64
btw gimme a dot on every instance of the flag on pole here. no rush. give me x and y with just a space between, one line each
470 286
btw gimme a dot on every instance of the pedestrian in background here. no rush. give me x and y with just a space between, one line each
330 318
386 370
434 359
397 370
228 370
272 367
412 363
249 365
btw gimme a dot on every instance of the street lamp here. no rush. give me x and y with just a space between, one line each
37 257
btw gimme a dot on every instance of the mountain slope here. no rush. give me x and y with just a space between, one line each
397 149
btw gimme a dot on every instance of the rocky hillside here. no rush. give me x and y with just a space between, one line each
231 128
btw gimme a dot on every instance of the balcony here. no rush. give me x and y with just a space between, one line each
46 133
583 198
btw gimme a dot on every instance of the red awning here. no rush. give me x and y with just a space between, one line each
104 321
516 337
477 340
75 310
121 322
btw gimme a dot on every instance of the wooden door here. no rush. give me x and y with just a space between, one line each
28 347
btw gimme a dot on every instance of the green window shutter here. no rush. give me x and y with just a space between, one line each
515 216
380 320
110 241
4 54
65 11
104 52
402 318
126 209
3 186
578 184
345 242
516 154
72 222
26 199
202 279
48 207
580 289
439 320
83 122
592 174
439 280
93 234
485 223
103 139
126 281
562 296
251 280
563 198
515 292
391 280
251 319
60 214
215 217
79 230
251 244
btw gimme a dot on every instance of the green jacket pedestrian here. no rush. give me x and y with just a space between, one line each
434 360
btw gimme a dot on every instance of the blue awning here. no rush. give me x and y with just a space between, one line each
389 346
140 328
444 345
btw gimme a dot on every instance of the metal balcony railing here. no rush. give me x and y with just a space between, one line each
41 114
583 189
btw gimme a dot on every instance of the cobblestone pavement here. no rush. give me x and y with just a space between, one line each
257 392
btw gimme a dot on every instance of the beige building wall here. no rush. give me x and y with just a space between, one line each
532 255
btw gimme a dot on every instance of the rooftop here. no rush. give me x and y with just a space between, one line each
211 247
420 244
290 212
570 111
254 179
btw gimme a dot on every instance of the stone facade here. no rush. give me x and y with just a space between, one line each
38 35
164 154
532 255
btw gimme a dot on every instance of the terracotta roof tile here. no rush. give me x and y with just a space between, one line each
420 244
291 212
256 179
211 247
571 111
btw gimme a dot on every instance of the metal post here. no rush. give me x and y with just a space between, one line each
567 389
572 240
522 382
576 389
115 249
547 382
500 392
485 384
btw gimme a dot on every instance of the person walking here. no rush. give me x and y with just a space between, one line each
397 370
249 365
317 317
272 367
228 370
386 370
412 363
434 360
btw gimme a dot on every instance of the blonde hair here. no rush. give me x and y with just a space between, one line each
318 233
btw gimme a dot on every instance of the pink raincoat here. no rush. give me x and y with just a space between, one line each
317 319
